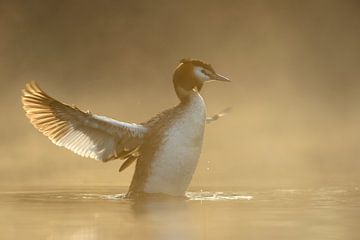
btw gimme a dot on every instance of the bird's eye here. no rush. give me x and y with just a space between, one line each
203 71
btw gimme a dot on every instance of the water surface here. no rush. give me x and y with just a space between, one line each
105 213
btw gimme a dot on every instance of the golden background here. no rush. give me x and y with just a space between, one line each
295 91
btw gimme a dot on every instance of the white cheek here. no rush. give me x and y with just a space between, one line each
199 74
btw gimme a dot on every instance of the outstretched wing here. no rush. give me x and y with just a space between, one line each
86 134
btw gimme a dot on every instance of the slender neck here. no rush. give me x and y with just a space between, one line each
185 92
182 93
186 95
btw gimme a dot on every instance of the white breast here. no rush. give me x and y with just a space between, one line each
175 161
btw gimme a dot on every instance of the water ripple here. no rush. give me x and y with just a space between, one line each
324 197
216 196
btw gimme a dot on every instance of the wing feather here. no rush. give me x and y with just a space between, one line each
86 134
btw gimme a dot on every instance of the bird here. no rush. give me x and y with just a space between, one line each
166 148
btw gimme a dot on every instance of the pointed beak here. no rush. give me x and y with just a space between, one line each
218 77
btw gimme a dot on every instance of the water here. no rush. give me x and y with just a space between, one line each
104 213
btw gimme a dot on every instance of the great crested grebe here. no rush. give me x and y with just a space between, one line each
166 148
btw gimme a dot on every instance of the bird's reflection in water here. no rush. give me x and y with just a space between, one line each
164 218
145 218
103 213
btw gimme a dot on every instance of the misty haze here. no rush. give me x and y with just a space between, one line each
283 164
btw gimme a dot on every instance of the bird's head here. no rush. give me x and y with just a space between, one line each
190 75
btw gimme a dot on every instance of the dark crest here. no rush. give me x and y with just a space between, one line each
198 63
